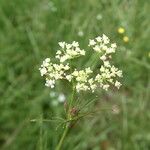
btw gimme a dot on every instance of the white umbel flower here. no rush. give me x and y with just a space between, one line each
83 79
69 51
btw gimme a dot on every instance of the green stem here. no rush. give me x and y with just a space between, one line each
62 138
67 124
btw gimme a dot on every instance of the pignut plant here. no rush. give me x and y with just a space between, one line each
84 79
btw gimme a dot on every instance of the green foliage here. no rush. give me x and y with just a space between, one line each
30 31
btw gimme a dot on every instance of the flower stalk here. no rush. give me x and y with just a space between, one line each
62 137
85 79
67 125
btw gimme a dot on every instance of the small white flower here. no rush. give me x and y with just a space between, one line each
80 33
66 67
55 103
99 17
114 45
75 44
47 60
58 52
43 71
57 56
97 48
105 87
81 87
45 64
63 58
110 50
99 39
105 39
75 73
88 70
62 44
103 57
106 64
50 83
68 46
117 84
102 69
92 84
69 77
61 98
92 42
82 52
52 94
119 73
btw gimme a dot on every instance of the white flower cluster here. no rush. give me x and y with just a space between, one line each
108 74
83 79
103 47
53 72
69 51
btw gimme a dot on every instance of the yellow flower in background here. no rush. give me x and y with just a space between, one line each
121 30
125 39
149 54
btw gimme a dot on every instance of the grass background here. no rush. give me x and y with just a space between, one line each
30 31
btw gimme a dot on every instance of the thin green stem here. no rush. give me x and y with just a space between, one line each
67 124
62 138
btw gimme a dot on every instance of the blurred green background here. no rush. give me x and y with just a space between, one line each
30 31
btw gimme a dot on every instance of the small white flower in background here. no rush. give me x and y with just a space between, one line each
99 17
84 79
50 83
80 33
57 98
54 102
61 98
52 94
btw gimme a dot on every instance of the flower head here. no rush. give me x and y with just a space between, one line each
84 79
69 51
